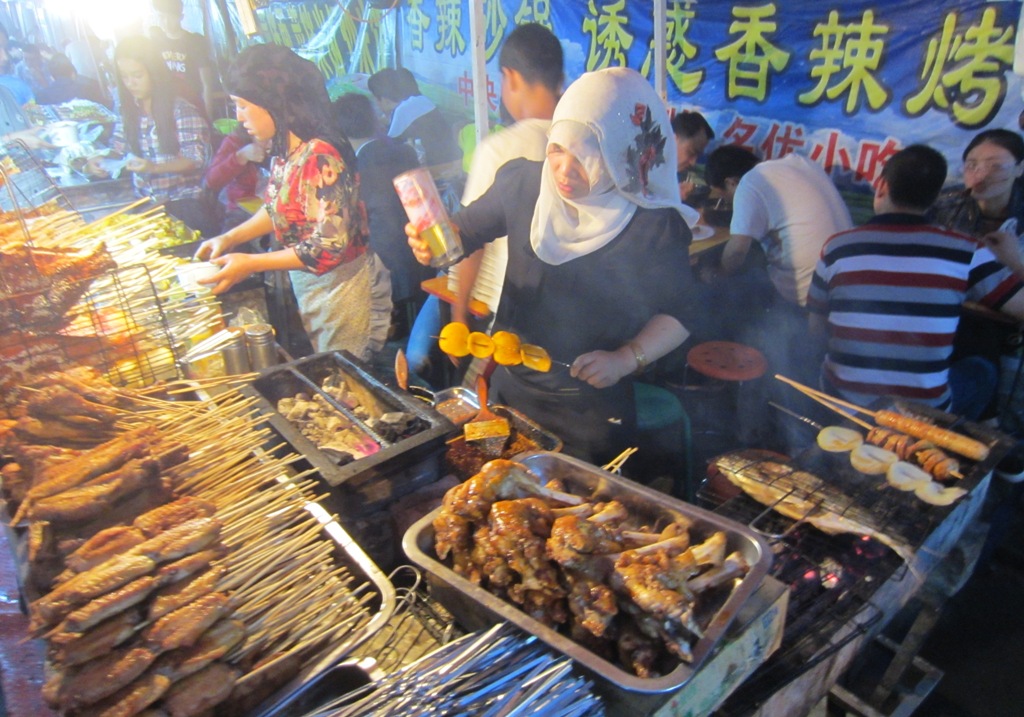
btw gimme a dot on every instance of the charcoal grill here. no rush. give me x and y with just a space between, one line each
833 579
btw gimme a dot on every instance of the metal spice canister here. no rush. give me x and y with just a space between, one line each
235 353
262 349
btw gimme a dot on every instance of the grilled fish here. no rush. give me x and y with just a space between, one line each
803 497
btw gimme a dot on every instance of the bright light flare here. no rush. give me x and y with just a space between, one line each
109 19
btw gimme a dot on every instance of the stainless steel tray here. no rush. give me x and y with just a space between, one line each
383 604
475 607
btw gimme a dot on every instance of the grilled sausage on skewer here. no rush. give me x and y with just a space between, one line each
923 452
943 438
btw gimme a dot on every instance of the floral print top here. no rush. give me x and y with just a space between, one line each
313 199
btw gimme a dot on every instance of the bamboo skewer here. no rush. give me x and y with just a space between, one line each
830 402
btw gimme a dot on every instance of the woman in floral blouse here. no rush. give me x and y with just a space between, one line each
311 204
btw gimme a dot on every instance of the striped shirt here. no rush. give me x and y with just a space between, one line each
891 291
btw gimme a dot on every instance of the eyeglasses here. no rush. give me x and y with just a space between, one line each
988 165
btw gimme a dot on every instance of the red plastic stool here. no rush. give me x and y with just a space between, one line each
726 361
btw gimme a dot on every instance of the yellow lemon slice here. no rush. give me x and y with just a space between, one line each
454 339
536 358
480 345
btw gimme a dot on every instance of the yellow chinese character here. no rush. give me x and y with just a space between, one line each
609 39
978 59
495 22
538 11
751 56
449 27
418 23
852 47
680 49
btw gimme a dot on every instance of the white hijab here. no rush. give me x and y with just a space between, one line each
615 124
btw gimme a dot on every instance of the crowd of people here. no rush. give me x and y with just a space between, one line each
576 221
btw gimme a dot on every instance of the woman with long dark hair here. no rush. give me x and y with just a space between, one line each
167 139
311 205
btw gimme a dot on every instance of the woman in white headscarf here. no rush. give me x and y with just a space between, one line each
598 270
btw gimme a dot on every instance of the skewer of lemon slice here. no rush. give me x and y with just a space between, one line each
505 347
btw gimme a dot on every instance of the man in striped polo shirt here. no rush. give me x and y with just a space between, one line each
887 297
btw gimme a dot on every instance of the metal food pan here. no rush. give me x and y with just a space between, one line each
423 447
475 607
311 668
526 432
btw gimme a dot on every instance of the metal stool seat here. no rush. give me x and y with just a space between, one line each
726 361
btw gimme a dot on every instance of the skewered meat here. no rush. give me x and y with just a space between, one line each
66 405
178 594
49 430
96 496
75 648
923 452
201 691
103 546
103 676
41 541
181 540
186 566
119 570
116 601
167 516
43 298
131 700
216 642
15 481
941 437
104 458
185 625
34 457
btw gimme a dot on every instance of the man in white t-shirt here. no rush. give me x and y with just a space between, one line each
531 83
789 206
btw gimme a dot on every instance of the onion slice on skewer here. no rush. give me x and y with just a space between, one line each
906 476
936 494
837 439
872 460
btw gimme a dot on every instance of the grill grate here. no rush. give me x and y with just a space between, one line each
831 580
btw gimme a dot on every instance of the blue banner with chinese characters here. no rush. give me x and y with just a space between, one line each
846 83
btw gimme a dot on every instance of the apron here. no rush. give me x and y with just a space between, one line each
348 308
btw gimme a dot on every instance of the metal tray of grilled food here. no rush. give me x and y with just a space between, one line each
382 602
400 465
475 607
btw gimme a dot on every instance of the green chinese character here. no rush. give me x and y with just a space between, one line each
752 55
609 39
680 49
855 48
978 59
418 23
449 27
538 11
495 21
